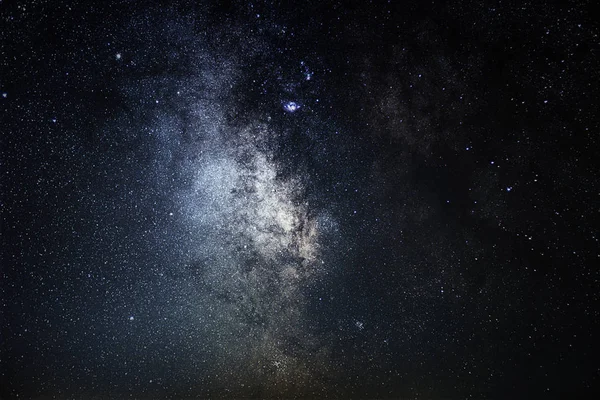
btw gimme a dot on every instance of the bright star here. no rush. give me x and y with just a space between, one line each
291 106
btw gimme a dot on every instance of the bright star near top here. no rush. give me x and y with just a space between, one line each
291 106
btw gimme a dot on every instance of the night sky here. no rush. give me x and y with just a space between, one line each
311 199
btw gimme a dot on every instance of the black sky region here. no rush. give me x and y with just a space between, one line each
311 199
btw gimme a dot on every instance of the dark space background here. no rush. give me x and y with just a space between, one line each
299 199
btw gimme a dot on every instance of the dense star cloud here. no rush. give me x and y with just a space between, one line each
318 200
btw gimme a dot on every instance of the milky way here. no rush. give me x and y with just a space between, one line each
252 247
256 244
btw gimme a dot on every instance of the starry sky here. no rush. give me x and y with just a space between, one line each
316 199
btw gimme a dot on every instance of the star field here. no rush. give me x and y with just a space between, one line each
307 200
